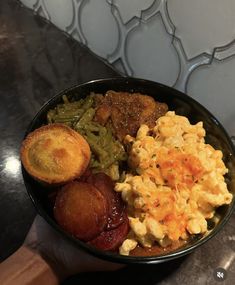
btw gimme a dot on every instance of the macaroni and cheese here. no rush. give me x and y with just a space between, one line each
176 183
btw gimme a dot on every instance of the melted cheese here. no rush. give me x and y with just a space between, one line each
178 183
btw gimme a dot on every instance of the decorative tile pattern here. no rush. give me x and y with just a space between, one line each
158 7
101 30
187 66
119 53
225 52
203 25
160 58
29 3
129 9
214 88
187 44
40 8
61 12
74 29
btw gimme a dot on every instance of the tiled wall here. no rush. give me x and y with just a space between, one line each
187 44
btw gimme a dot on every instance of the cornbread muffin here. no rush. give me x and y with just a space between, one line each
55 154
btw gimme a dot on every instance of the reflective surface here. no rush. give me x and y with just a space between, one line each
37 61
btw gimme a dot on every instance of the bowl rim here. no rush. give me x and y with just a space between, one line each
110 256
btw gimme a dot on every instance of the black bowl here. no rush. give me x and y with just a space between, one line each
182 104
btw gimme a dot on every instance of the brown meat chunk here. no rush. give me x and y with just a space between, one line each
81 210
103 113
128 111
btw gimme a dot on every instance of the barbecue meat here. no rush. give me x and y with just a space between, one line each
127 111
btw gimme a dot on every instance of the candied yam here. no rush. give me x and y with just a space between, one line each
116 206
103 183
81 210
111 239
117 213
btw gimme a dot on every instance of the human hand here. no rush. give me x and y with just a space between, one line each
63 256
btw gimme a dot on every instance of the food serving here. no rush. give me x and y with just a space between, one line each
48 154
151 181
176 183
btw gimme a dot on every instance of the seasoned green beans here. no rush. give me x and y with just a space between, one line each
107 152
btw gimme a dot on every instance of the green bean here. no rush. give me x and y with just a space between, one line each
102 132
86 117
81 131
67 102
74 116
97 149
95 164
107 163
113 171
88 103
119 151
50 116
62 120
92 136
69 107
65 99
103 137
91 127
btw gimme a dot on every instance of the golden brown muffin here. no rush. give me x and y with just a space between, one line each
55 154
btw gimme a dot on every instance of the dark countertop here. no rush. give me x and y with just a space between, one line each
37 61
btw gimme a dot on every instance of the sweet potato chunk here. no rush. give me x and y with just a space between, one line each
111 239
103 183
116 206
81 210
117 214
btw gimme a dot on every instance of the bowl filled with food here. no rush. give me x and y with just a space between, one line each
129 170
